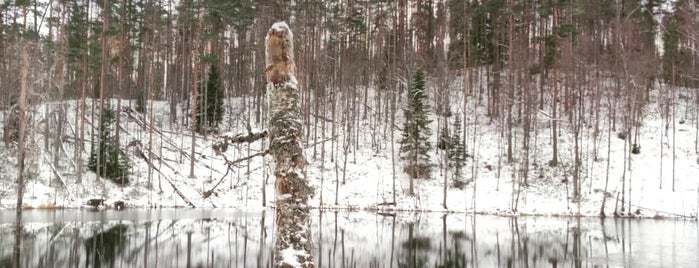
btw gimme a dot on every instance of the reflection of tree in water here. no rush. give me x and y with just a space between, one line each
104 247
513 248
19 234
6 262
551 248
416 249
454 257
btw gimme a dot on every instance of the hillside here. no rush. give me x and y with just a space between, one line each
356 169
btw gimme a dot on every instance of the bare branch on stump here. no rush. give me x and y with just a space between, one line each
230 167
221 146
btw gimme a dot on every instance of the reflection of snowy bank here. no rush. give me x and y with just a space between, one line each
149 243
225 238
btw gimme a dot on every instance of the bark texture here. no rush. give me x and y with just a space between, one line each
21 147
294 243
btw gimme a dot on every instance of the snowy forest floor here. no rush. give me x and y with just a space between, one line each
355 169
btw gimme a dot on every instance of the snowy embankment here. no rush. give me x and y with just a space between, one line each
361 175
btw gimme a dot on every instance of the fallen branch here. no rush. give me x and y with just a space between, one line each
322 118
657 212
69 157
140 154
308 146
60 178
160 133
230 167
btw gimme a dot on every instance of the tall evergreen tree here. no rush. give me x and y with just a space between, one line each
458 23
424 23
486 26
414 143
444 141
678 57
105 153
457 153
78 43
671 41
210 103
77 34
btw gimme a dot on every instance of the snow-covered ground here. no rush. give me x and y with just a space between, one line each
367 167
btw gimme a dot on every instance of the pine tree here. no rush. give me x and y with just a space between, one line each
678 57
414 143
210 103
444 141
486 22
457 153
112 162
77 34
457 32
671 40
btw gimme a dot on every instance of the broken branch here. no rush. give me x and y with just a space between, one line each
230 167
222 146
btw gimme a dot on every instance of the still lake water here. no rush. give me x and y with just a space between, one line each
233 238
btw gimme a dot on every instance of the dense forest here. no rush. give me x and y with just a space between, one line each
141 50
578 65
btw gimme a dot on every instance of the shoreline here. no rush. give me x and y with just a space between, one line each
373 210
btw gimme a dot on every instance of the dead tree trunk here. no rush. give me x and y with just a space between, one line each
21 147
294 244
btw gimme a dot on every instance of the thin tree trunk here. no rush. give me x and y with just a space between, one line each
172 92
21 150
511 88
61 63
193 101
623 176
81 114
104 61
609 154
393 163
322 149
663 120
120 75
445 161
554 99
674 141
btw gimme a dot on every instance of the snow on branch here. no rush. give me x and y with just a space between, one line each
221 146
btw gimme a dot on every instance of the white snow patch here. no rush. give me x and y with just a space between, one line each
280 27
290 256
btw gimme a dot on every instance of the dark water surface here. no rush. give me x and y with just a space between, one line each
234 238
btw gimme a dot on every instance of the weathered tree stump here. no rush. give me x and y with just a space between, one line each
294 243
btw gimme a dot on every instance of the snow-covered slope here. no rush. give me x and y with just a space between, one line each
367 166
